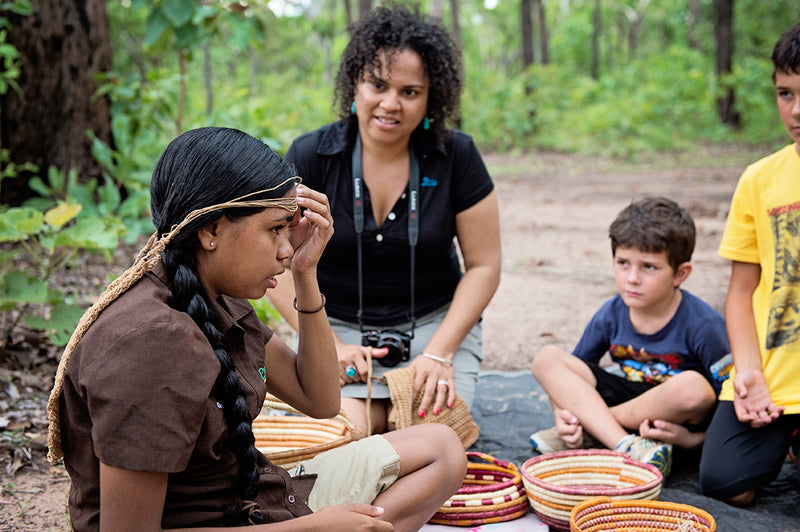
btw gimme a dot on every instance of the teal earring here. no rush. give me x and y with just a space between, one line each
426 125
353 107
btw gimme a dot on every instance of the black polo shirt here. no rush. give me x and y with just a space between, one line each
453 178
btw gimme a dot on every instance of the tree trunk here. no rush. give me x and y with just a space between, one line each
597 22
348 13
692 20
208 82
527 34
456 23
62 45
544 49
723 32
364 6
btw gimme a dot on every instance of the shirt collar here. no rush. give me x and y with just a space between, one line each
339 138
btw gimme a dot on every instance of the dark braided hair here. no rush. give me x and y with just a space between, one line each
392 30
205 167
786 54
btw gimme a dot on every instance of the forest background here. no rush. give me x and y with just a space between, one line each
92 91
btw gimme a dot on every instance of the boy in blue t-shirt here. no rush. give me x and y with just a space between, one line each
668 346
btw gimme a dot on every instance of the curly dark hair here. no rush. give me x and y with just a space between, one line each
394 29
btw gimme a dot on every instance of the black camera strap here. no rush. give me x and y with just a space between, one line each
358 219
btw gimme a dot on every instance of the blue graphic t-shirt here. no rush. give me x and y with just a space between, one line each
694 339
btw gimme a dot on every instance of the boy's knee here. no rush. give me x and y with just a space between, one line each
695 392
545 359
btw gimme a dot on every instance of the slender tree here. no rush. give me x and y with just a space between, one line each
62 45
527 34
544 49
597 22
723 32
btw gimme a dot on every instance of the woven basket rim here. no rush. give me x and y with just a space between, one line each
589 490
604 505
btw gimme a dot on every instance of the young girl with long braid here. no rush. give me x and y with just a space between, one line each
155 395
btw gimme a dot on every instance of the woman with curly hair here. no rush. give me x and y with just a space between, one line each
155 395
402 187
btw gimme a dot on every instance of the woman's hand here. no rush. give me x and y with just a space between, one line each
431 376
313 229
354 358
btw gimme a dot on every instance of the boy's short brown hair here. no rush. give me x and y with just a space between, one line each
786 54
655 224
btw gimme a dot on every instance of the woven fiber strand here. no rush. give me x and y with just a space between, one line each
605 514
287 440
556 482
492 492
404 408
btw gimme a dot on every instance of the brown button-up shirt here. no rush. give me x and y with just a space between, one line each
138 395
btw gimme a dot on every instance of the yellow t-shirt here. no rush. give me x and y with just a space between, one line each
763 227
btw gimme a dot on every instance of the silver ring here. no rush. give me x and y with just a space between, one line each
350 371
442 382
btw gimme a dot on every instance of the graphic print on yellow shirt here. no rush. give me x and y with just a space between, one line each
783 327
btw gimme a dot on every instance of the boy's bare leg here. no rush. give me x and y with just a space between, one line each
356 411
432 467
570 385
660 412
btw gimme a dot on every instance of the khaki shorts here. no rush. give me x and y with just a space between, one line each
356 472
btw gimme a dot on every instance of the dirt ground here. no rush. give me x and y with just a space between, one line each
555 212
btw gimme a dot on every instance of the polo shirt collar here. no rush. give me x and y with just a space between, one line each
227 310
339 138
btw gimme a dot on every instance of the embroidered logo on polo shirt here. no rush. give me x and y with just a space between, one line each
263 373
428 182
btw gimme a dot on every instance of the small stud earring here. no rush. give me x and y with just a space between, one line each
353 107
212 244
426 125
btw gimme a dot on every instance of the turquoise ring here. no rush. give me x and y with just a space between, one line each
350 371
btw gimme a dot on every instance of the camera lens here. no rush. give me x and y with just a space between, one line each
397 348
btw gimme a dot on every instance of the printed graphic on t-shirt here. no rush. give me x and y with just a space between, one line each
784 314
641 366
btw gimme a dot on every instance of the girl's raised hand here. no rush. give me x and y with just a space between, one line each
312 229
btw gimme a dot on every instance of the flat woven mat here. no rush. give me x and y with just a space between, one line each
509 406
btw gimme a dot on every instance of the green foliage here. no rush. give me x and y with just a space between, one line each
265 311
9 55
50 240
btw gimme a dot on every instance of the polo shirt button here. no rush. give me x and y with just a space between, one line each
379 237
403 196
392 216
291 499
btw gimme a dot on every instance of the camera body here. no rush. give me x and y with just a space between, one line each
398 343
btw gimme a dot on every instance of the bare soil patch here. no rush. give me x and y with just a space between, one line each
555 213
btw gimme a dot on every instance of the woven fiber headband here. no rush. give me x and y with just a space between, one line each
145 261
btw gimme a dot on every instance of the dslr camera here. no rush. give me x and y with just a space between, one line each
398 343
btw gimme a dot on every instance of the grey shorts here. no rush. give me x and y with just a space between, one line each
356 472
466 362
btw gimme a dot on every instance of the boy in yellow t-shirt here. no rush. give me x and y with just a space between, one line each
759 410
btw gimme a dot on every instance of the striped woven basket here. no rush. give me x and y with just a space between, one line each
556 482
289 438
604 514
492 492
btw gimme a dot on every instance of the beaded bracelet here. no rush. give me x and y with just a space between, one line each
438 359
322 306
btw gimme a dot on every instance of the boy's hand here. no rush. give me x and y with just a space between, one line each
752 401
568 427
673 433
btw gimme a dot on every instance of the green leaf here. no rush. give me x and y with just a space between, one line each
178 12
109 197
18 287
61 214
63 319
155 27
19 223
102 152
38 186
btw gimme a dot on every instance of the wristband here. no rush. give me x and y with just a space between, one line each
322 306
438 359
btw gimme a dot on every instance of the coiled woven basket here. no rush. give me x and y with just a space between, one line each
604 514
288 439
492 492
556 482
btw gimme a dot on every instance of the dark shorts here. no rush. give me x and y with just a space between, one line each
614 389
738 458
